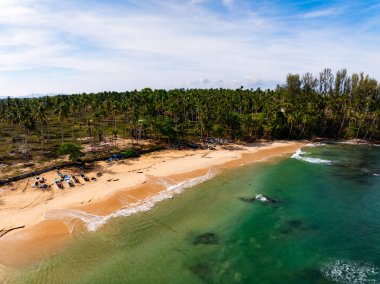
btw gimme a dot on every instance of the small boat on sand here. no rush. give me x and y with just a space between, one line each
58 183
84 177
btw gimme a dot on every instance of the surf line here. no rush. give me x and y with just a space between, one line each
299 156
93 222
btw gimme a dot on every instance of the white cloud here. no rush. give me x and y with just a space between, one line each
324 13
50 49
228 3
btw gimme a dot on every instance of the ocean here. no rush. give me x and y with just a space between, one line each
318 221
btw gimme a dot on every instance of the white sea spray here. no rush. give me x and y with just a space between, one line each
299 156
350 272
316 144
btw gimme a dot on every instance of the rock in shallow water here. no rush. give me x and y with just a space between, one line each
202 270
311 274
260 198
206 239
295 223
248 199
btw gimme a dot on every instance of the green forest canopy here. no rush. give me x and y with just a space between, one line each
329 105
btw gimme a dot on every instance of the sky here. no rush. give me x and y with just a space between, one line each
75 46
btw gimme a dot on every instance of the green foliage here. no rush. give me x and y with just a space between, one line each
130 153
327 105
71 149
166 127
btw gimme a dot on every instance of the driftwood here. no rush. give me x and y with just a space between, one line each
3 232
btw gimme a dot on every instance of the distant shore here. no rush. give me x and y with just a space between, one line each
124 184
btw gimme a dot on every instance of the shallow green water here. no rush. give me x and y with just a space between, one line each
325 227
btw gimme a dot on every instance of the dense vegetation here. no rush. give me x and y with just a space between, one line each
329 105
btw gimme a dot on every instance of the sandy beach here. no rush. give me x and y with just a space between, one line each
48 216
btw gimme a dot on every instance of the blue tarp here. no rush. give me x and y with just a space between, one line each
118 156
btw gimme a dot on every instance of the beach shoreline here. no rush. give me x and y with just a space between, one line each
122 186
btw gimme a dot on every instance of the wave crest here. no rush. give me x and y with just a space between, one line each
298 155
315 144
349 272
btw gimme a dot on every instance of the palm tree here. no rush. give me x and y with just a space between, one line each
40 117
339 106
61 109
28 123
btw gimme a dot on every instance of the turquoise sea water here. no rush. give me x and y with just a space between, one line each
323 228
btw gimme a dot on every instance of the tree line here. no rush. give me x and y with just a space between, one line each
328 105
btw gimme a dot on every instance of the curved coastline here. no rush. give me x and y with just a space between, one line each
164 175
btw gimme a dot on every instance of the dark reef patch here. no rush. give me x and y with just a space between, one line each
202 270
312 274
295 223
206 239
295 226
248 199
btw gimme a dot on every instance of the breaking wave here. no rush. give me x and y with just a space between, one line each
298 156
316 144
93 222
350 272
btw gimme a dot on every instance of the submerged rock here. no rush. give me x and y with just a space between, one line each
248 199
296 226
295 223
311 274
206 239
286 230
202 270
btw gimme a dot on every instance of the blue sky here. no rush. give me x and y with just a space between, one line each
72 46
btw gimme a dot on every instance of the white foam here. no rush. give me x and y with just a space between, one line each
261 198
298 155
365 170
354 142
316 144
93 222
350 272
